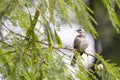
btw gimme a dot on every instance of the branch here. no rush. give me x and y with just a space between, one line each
6 43
54 47
12 31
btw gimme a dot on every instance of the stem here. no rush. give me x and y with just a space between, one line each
55 47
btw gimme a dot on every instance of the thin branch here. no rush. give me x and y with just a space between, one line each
9 61
12 31
54 47
63 53
6 43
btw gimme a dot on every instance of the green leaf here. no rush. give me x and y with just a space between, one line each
118 3
25 74
64 10
111 68
58 40
71 4
22 17
84 18
49 38
1 50
109 4
93 31
51 10
30 30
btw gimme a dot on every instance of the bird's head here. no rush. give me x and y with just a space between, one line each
81 31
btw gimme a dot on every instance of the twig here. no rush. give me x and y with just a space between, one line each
55 47
6 43
13 31
63 53
9 61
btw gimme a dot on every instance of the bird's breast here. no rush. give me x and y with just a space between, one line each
83 44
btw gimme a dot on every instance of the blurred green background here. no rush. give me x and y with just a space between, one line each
109 38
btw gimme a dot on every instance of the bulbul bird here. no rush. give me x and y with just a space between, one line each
80 44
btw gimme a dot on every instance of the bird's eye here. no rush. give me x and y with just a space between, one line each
79 30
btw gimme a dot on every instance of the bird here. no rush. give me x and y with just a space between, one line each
80 44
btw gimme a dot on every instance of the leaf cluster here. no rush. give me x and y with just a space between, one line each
36 54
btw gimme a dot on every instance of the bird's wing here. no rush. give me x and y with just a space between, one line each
77 43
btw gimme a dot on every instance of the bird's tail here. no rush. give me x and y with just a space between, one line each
74 60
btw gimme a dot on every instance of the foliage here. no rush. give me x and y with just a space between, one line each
110 5
31 57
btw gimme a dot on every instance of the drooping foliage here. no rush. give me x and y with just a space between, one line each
32 53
